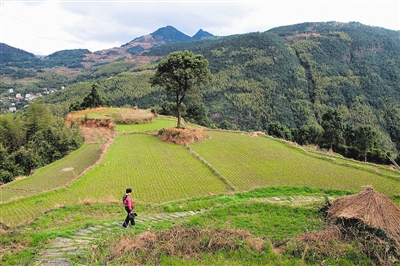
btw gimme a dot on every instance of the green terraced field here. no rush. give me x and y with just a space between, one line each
156 171
250 162
55 175
162 172
156 125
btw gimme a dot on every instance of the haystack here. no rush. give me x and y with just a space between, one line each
374 210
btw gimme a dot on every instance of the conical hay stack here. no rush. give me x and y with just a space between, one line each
372 208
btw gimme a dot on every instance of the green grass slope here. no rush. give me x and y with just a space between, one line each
156 171
162 122
270 214
55 175
250 162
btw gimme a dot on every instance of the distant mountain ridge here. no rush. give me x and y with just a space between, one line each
12 56
162 36
290 74
166 35
15 57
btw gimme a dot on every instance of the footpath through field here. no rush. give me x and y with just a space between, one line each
61 249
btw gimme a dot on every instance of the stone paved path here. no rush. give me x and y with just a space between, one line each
61 248
293 200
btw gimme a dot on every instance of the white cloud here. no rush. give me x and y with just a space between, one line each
36 28
43 27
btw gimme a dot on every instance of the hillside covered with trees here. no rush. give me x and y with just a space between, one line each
34 139
282 81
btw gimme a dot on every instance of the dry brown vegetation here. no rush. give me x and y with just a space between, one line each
182 136
94 130
98 124
370 208
183 242
257 133
368 218
116 115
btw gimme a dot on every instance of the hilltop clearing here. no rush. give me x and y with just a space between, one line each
98 124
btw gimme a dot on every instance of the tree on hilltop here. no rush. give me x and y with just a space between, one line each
180 73
92 100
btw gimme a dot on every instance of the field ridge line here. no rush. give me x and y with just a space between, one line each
231 187
104 149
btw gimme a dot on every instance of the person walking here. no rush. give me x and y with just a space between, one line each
129 207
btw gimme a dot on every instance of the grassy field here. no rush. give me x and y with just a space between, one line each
162 122
156 171
236 229
118 115
55 175
160 172
250 162
167 177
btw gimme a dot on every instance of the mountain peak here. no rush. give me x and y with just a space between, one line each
202 34
169 34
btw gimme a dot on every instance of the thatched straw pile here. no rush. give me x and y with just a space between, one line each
374 210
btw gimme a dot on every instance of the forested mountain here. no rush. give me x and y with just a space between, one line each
351 67
169 34
294 74
10 56
17 58
289 75
67 58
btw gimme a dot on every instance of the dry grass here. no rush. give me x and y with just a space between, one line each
335 240
257 133
331 233
96 134
88 111
105 115
368 218
369 207
182 136
185 243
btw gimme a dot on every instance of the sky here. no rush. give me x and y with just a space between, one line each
46 26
